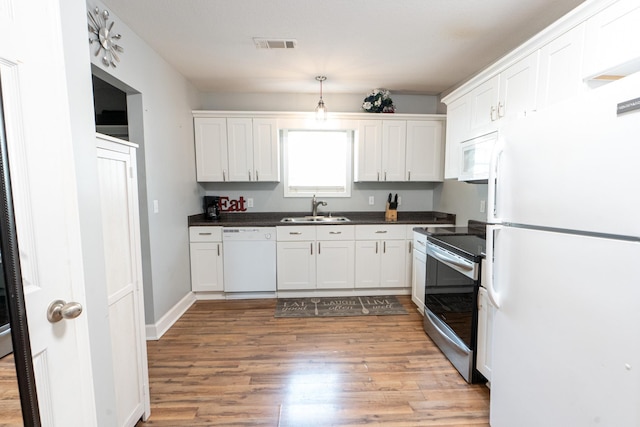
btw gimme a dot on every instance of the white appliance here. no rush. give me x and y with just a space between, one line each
249 260
565 197
475 158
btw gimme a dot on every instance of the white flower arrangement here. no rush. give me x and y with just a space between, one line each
378 101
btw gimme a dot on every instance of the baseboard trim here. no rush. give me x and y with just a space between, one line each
156 331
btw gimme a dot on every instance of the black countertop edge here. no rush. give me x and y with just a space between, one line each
270 219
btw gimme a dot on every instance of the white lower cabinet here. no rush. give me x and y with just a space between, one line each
205 245
380 256
486 311
315 257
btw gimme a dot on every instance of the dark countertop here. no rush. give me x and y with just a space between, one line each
271 219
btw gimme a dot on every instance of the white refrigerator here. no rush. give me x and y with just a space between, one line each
564 264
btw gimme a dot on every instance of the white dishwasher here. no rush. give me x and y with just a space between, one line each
249 259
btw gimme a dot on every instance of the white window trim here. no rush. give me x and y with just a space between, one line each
319 191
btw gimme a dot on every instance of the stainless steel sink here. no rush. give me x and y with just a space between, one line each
315 219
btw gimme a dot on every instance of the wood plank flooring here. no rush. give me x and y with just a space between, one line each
231 363
10 412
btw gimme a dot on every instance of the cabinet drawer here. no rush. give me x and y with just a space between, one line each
205 234
380 232
296 233
335 232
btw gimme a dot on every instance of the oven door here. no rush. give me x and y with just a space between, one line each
451 291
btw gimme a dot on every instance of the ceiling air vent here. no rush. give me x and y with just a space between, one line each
274 43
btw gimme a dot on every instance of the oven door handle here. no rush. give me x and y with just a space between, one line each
433 319
438 254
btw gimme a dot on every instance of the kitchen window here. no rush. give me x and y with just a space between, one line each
317 162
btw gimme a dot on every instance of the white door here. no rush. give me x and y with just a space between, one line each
394 139
41 161
240 146
123 267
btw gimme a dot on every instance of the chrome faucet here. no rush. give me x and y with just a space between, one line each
314 205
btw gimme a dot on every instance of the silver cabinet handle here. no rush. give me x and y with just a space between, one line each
408 175
295 233
335 232
204 234
385 175
376 247
257 179
224 175
381 231
384 247
311 246
378 176
60 309
318 248
249 174
218 249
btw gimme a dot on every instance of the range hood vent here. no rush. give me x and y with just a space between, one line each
262 43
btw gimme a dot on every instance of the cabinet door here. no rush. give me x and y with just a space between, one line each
418 277
206 266
392 265
484 109
369 151
486 312
335 264
560 73
611 43
211 149
424 151
240 146
296 263
458 130
394 137
266 153
367 264
518 88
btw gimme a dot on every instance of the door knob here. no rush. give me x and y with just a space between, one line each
59 310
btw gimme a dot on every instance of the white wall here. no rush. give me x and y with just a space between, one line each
167 152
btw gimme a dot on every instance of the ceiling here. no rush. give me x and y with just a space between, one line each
407 46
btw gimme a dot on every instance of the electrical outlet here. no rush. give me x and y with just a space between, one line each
371 200
249 202
483 205
399 200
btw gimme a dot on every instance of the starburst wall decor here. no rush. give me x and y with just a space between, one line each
101 33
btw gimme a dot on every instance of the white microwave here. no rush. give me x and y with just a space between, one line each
475 158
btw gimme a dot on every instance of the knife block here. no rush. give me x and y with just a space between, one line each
390 215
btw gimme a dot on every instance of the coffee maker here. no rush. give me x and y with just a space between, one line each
211 208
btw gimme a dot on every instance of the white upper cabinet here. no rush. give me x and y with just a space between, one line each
266 153
612 48
458 130
484 107
237 149
399 150
240 148
394 139
211 149
560 68
424 151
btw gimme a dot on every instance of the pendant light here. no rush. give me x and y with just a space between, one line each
321 110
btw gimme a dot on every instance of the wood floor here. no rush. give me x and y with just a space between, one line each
10 412
231 363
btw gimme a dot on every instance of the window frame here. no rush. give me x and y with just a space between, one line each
318 191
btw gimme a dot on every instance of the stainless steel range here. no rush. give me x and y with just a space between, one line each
451 293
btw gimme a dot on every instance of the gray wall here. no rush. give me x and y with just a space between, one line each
462 199
164 129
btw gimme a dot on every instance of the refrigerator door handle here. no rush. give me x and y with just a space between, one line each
492 188
492 231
